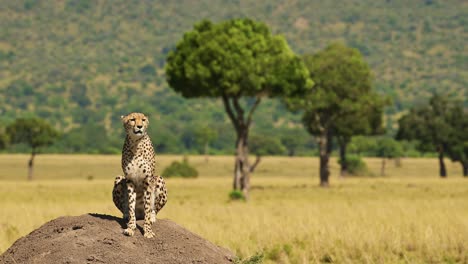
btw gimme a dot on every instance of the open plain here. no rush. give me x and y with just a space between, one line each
409 216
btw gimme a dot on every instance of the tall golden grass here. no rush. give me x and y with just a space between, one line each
410 216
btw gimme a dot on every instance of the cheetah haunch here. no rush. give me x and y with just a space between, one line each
140 193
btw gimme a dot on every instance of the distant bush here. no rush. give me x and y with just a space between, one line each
236 195
180 169
356 166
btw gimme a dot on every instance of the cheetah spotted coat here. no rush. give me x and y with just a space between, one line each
140 194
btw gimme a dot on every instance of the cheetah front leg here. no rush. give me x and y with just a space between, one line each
131 226
148 197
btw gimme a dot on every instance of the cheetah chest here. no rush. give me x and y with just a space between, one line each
137 168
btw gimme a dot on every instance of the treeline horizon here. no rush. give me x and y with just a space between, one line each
99 60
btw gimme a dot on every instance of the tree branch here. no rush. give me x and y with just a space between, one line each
257 161
228 108
239 110
250 115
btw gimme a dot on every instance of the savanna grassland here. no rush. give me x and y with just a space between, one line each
409 216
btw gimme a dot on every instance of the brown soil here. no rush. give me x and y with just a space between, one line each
95 238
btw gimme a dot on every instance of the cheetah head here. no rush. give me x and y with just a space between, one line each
135 124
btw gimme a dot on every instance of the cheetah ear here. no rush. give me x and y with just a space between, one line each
122 117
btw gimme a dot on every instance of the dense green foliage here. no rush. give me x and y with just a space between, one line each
82 64
180 169
234 59
343 99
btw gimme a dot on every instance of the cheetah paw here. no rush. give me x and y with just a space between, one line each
149 234
129 232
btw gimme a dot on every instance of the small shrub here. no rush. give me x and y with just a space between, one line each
255 259
356 166
327 258
180 169
236 195
287 248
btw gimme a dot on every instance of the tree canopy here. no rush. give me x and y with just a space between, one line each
34 132
235 58
343 87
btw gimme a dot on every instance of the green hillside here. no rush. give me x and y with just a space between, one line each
82 64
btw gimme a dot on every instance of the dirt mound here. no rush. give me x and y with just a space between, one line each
95 238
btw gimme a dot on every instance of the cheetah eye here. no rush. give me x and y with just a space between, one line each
143 120
133 119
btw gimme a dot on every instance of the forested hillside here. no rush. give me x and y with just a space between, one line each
82 64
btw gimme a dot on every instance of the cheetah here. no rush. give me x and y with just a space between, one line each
140 194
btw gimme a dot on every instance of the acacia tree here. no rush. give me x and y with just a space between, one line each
342 96
388 148
364 120
241 62
430 126
292 139
34 132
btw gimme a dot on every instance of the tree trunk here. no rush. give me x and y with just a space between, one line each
343 161
31 165
382 169
465 168
443 170
237 175
325 149
242 166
